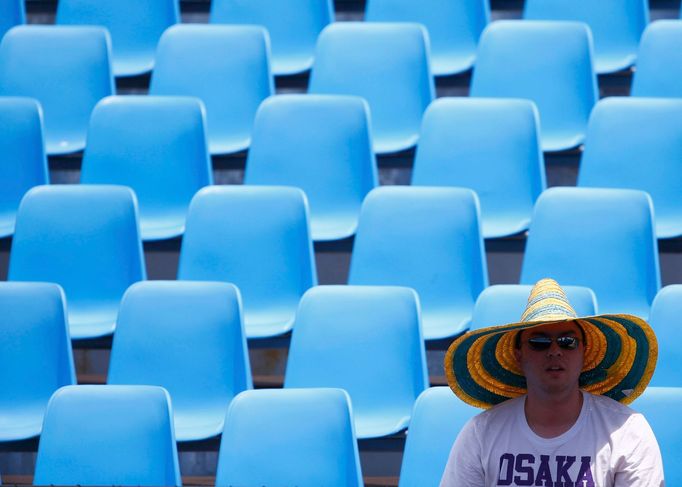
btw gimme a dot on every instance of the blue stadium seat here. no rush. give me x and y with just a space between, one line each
437 418
321 144
187 337
429 239
228 67
508 175
35 355
665 320
23 163
635 143
547 62
293 27
135 27
616 26
454 27
86 239
301 437
599 238
366 340
108 435
157 146
387 64
12 12
659 61
258 238
67 69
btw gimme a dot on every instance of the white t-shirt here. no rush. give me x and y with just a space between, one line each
610 445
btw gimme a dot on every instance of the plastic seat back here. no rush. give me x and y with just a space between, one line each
368 341
599 238
12 12
456 149
258 238
635 143
108 435
302 437
549 63
67 69
659 61
227 67
321 144
438 417
157 146
23 163
86 239
616 26
388 65
172 333
293 27
454 27
135 27
664 319
429 239
35 355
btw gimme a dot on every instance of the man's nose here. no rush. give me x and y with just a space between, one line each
554 349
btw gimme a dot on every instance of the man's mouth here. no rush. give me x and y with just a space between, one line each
554 368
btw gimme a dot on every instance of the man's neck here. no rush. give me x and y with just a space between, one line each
551 416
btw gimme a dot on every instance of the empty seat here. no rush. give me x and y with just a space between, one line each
157 146
599 238
108 435
659 61
302 437
12 12
387 64
293 27
321 144
664 319
35 355
368 341
547 62
258 238
135 27
187 337
454 27
23 163
86 239
227 67
455 149
426 238
635 143
616 26
67 69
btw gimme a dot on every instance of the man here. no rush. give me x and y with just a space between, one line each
556 386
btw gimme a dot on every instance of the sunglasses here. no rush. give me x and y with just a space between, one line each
541 343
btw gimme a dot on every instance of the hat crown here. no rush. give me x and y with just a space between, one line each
547 301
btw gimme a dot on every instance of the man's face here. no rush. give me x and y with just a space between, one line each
555 370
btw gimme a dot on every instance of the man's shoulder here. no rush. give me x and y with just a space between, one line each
500 412
610 406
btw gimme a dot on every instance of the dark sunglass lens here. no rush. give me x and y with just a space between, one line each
539 343
568 343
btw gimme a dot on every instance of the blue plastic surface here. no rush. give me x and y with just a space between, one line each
429 239
227 66
665 320
258 238
35 355
108 435
157 146
454 27
599 238
23 163
659 61
635 143
67 69
388 65
135 27
321 144
438 417
547 62
508 175
293 26
12 12
86 239
301 437
616 26
660 406
366 340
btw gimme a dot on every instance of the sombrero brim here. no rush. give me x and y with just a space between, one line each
620 358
